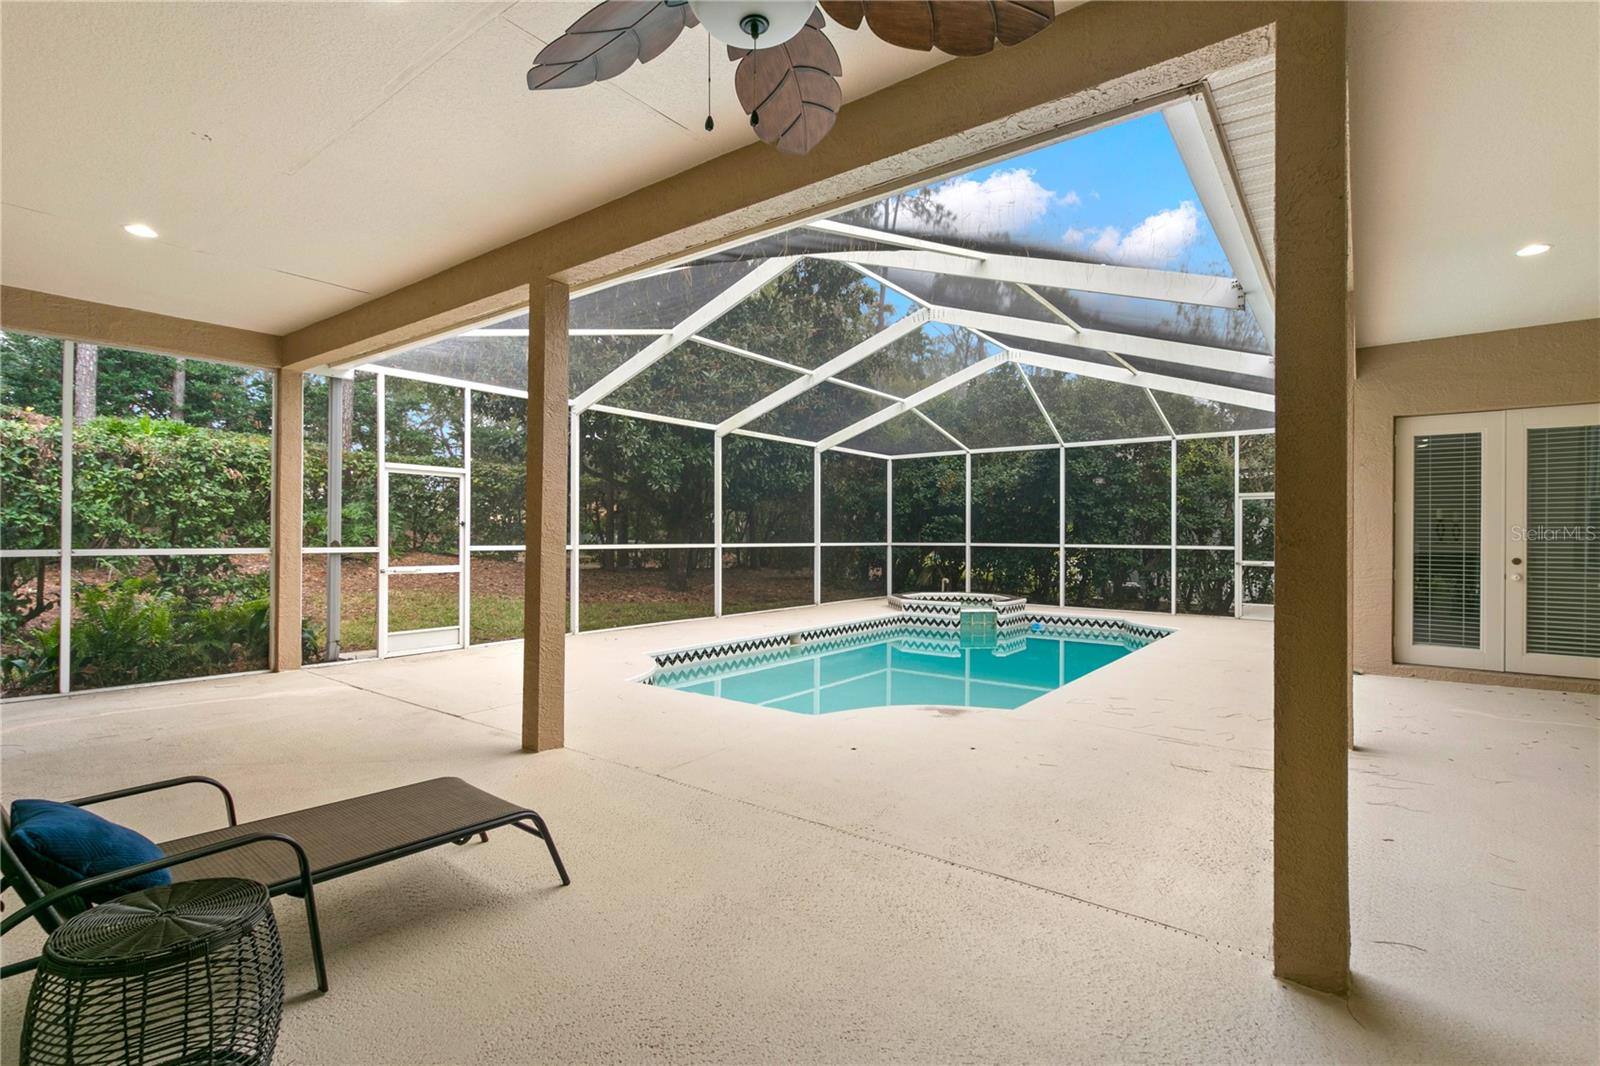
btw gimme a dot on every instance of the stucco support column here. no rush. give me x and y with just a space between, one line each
544 618
288 500
1315 370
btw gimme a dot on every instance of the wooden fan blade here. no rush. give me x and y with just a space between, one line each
955 27
1017 20
607 40
847 13
907 25
963 29
792 88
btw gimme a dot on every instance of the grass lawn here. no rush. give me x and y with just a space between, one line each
611 598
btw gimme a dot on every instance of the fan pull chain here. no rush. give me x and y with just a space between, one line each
755 114
709 124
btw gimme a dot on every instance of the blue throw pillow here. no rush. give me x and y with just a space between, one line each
61 844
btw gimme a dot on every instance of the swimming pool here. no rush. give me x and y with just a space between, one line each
897 664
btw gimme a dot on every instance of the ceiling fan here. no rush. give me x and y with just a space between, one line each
787 77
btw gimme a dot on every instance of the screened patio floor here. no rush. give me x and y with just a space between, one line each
1086 877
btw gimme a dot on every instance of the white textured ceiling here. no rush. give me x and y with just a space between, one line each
1475 129
299 157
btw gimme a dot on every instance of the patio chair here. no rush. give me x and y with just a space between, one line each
289 853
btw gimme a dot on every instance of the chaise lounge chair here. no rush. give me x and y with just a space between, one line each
291 852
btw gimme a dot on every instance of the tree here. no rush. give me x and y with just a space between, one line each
85 381
30 373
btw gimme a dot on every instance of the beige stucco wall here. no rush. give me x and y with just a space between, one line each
1539 366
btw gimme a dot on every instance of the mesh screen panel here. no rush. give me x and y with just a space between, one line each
592 358
1205 582
633 587
699 383
1119 494
1015 497
993 410
499 468
929 569
1085 408
1205 491
904 434
809 314
500 361
766 491
659 301
644 482
852 573
1027 572
760 579
854 497
819 411
1124 579
930 500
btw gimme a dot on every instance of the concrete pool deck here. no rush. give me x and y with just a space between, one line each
1083 878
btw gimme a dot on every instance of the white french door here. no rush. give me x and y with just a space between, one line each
1497 540
1553 541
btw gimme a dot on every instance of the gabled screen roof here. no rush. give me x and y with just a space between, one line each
1076 292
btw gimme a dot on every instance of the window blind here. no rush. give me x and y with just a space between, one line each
1447 545
1563 541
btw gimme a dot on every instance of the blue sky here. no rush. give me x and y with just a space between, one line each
1118 194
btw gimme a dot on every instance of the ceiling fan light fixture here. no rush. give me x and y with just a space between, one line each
769 22
787 78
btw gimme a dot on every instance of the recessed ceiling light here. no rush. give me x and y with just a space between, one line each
1535 248
139 229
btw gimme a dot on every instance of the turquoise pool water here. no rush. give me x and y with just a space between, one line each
828 676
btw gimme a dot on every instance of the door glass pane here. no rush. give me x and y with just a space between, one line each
424 520
1257 528
1446 554
1257 584
423 422
1563 546
425 602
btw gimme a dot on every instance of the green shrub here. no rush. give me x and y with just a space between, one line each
142 628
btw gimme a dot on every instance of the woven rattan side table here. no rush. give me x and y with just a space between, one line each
185 973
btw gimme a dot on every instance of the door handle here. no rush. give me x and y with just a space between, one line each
1516 577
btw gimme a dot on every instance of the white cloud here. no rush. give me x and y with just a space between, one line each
1072 199
1157 241
1005 202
